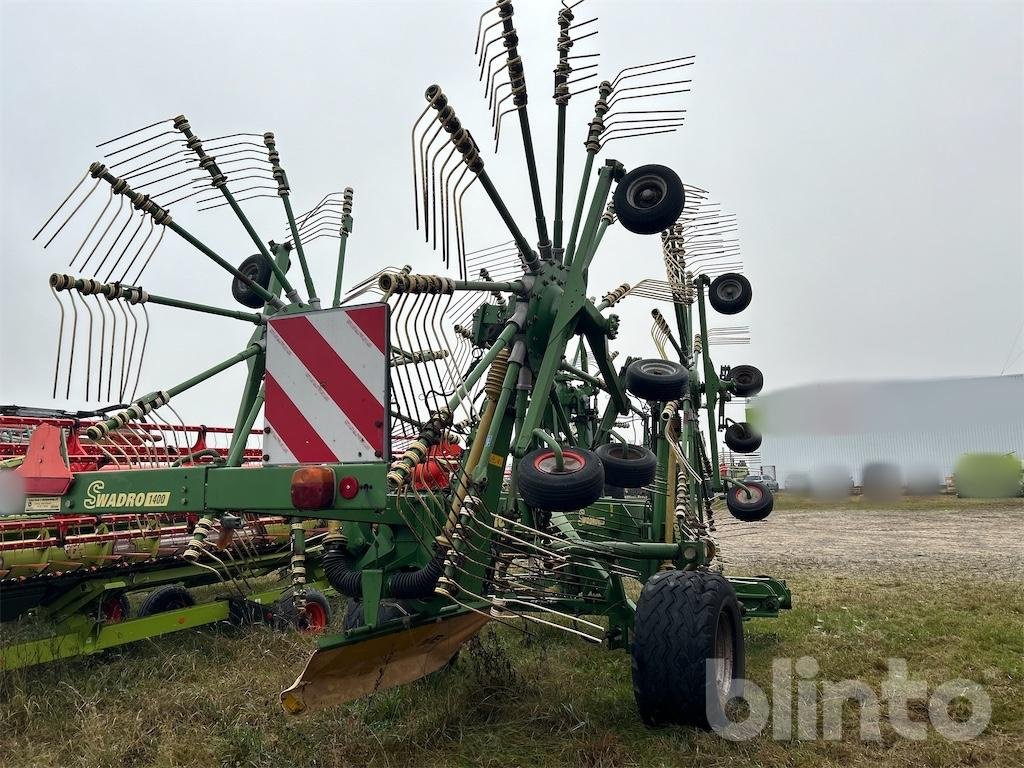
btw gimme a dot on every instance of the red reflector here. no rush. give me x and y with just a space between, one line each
313 488
349 487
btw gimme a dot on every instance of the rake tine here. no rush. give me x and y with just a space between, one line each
132 133
103 339
479 27
60 340
116 240
138 253
65 202
88 348
70 215
142 220
74 337
92 228
131 354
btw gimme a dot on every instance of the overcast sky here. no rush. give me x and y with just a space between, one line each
872 152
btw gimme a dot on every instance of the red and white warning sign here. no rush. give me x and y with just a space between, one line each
327 386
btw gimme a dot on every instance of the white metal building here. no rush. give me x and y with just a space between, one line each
925 424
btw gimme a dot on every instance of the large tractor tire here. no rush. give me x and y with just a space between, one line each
684 619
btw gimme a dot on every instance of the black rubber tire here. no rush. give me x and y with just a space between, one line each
389 611
678 619
730 293
627 466
578 486
750 507
742 438
649 199
656 380
747 380
287 617
169 597
256 268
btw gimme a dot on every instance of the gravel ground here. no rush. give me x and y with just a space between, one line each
965 541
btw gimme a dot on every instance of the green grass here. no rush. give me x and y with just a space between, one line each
787 501
209 698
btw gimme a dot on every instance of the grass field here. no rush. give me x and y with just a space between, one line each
210 698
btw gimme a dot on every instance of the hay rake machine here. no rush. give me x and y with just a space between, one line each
458 441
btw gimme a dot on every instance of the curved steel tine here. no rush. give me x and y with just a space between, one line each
116 240
113 344
634 135
241 199
415 188
584 37
497 130
480 27
149 234
423 177
488 44
238 191
145 152
117 215
70 215
685 63
60 340
491 105
74 339
460 225
142 220
103 339
88 347
489 87
433 163
642 126
575 80
618 95
490 63
124 351
446 190
141 353
139 143
131 350
132 133
65 202
182 155
618 77
92 228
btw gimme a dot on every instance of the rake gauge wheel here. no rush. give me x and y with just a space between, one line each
747 380
578 484
114 608
656 380
315 617
730 293
751 504
649 199
258 270
627 466
170 597
688 654
742 438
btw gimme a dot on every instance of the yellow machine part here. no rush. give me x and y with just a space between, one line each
340 675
